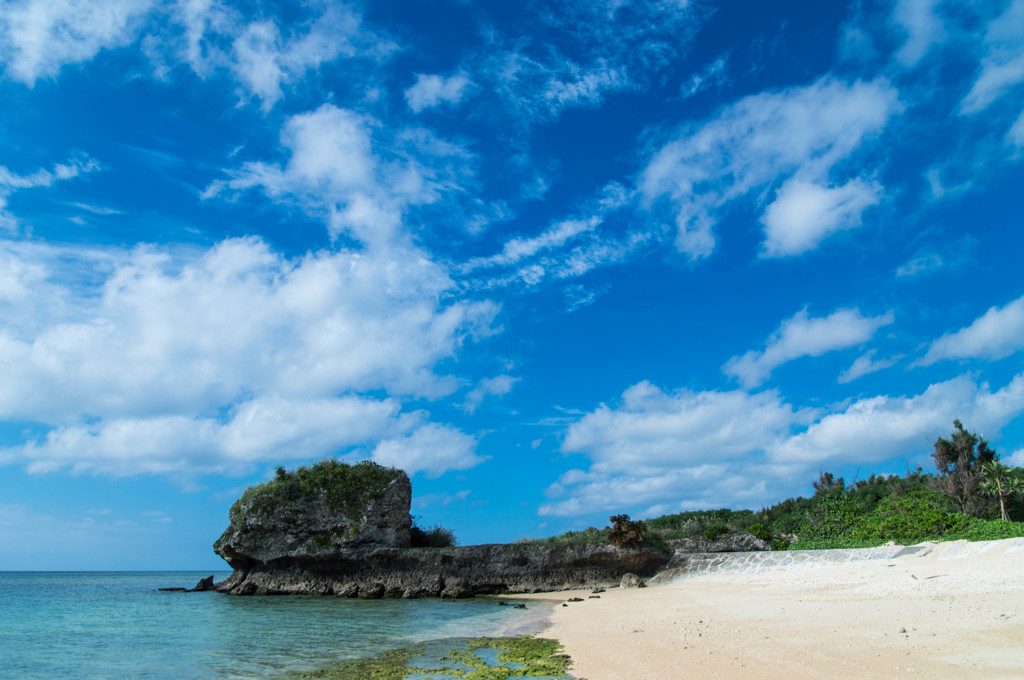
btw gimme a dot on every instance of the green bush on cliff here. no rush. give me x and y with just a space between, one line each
346 488
435 537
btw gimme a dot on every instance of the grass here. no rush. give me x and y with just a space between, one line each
345 488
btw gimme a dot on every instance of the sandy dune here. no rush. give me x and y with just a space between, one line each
953 610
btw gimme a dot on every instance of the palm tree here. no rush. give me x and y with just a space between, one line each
1000 481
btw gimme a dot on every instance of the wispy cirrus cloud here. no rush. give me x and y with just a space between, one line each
11 182
801 133
804 336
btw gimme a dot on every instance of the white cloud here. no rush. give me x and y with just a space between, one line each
1015 459
803 214
1002 66
431 91
919 20
802 132
497 386
38 37
879 428
431 448
214 359
263 60
996 334
517 249
680 451
653 431
334 173
866 364
802 336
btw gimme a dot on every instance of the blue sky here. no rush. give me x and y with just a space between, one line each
557 260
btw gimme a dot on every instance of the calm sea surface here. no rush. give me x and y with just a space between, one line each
116 625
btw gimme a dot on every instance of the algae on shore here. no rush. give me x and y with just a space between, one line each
455 659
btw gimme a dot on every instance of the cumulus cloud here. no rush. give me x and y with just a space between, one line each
430 448
215 359
38 37
659 452
879 428
497 386
800 132
996 334
334 173
654 431
803 214
803 336
431 91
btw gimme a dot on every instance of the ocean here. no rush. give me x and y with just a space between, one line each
118 626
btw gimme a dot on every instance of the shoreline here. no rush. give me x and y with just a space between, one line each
948 610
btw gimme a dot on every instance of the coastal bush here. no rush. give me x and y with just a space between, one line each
761 532
715 530
435 537
625 532
910 518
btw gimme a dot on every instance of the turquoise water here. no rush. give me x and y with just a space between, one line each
113 626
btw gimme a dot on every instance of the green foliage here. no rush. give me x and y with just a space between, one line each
345 488
991 530
761 532
587 536
695 523
959 460
909 519
715 530
435 537
626 533
1001 482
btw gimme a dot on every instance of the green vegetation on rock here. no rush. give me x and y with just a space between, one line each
345 488
456 659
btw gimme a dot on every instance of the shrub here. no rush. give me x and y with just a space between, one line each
435 537
760 531
715 530
626 533
910 518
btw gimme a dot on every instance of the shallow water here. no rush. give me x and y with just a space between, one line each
114 626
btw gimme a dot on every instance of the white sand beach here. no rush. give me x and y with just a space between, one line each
953 610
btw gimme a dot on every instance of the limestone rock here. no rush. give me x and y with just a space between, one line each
739 542
318 512
632 581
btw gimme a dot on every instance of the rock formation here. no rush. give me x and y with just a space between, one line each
336 529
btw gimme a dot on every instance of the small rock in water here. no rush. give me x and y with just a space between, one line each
502 603
520 606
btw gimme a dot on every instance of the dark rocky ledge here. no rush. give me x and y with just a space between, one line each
335 529
374 572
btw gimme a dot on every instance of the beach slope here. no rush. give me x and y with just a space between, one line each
948 610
